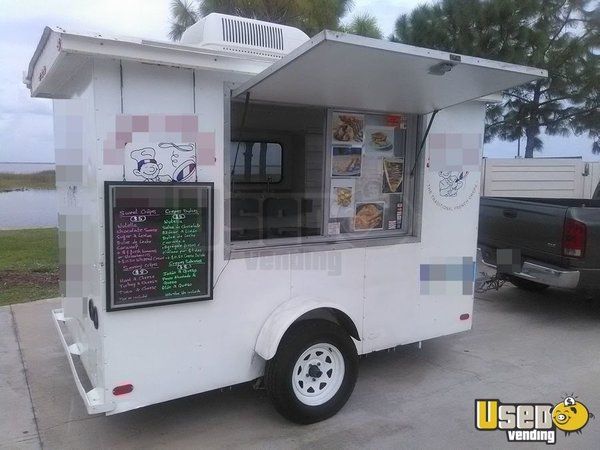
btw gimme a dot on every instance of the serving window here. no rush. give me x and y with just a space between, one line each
307 175
276 182
255 162
366 174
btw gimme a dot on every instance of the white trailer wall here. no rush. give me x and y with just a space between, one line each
358 281
78 217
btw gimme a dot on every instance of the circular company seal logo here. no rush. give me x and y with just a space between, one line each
452 190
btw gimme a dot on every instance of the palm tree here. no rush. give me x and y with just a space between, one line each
184 14
364 25
311 16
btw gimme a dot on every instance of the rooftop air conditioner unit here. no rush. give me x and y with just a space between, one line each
244 36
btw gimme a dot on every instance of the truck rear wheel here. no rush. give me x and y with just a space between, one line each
313 373
527 285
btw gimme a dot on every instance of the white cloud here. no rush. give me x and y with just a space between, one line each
27 138
26 124
146 18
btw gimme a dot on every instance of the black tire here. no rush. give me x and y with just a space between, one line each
279 370
528 285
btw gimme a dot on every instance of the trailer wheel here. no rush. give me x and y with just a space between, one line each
528 285
313 373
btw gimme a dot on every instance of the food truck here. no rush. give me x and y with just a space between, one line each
252 203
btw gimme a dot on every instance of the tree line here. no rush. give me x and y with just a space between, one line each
561 36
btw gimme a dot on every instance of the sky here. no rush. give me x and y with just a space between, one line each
26 123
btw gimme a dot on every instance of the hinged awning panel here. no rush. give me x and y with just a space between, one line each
345 71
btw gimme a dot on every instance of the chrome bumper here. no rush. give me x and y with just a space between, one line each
568 279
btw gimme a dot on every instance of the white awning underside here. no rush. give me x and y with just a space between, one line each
344 71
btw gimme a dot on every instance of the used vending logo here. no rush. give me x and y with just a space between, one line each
532 422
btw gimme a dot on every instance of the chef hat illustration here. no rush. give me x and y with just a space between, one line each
185 170
144 156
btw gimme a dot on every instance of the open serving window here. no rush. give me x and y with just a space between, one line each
367 179
324 144
307 175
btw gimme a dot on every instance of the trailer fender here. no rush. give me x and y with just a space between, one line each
289 312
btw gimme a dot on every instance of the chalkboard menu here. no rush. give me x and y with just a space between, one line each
159 243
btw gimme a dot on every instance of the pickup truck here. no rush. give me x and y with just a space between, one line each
537 243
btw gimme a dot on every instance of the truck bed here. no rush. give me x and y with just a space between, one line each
535 230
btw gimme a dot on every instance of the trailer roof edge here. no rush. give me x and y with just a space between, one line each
132 49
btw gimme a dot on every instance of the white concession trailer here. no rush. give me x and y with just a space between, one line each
253 202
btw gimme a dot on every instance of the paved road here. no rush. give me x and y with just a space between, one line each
523 347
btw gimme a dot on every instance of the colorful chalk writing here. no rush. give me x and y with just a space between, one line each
159 254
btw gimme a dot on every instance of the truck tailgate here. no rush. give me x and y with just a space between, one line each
535 228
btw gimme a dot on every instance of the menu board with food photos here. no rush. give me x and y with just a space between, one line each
367 161
159 243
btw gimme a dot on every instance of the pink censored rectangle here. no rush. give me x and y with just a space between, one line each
189 124
453 141
156 123
122 138
189 136
205 140
205 149
471 157
157 128
173 123
113 156
454 152
437 141
472 141
140 124
123 123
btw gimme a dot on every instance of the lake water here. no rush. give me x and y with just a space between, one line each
25 167
28 209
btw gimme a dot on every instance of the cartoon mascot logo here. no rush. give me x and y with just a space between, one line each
570 415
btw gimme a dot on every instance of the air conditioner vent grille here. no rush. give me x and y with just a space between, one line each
255 34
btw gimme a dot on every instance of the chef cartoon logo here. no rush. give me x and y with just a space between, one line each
161 162
183 159
148 167
532 422
453 168
451 183
452 190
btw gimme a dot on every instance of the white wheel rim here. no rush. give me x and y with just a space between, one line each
318 374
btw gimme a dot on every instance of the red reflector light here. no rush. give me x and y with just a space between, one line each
574 237
123 389
464 316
